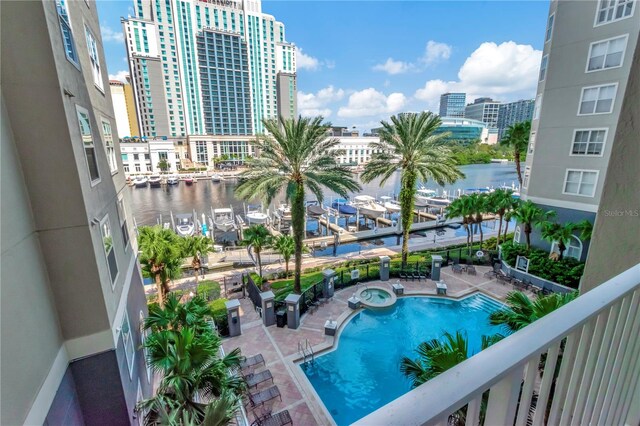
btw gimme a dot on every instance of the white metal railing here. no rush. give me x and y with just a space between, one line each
597 336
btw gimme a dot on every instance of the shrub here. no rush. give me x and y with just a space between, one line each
219 314
209 289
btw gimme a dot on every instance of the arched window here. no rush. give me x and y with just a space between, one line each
574 248
516 235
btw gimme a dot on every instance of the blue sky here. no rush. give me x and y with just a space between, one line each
361 61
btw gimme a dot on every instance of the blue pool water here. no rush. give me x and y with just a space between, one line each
363 373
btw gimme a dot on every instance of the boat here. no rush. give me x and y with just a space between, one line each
140 182
184 225
189 180
284 211
438 202
343 208
315 210
390 204
215 178
223 219
155 180
255 215
172 180
367 205
422 195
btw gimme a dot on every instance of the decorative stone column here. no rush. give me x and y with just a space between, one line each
328 283
436 264
385 265
293 310
268 308
233 317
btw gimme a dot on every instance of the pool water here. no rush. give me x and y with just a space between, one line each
375 296
363 373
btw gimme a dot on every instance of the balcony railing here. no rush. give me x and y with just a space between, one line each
578 365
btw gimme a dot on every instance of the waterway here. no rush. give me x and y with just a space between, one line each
149 203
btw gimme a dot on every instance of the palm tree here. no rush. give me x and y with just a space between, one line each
195 314
257 237
517 137
500 202
296 156
522 311
463 207
160 256
196 246
562 233
480 206
531 215
286 246
409 143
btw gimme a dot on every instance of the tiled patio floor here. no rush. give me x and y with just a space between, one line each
279 346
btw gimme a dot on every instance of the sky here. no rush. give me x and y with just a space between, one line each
360 62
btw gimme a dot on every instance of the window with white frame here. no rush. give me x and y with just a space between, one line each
202 154
95 59
127 341
122 216
144 334
109 148
109 251
607 54
549 32
525 179
597 99
573 248
516 235
537 107
532 142
67 35
543 67
580 182
87 142
613 10
588 141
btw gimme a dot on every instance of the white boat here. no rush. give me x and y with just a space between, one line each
140 182
215 178
368 206
423 195
223 219
184 225
284 211
438 202
155 180
390 204
255 215
172 180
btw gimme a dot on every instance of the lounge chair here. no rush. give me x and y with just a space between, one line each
253 380
504 278
403 274
281 418
471 270
422 275
415 276
259 398
457 269
252 361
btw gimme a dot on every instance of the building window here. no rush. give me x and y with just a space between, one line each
122 216
525 179
202 154
532 142
573 248
543 67
67 34
516 235
537 107
87 142
95 60
607 54
580 182
597 99
613 10
549 32
108 146
588 142
109 251
127 341
144 333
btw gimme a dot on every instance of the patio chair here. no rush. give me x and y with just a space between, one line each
252 361
281 418
471 270
422 275
253 380
403 274
456 268
263 396
415 275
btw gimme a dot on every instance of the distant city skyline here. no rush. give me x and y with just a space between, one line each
356 75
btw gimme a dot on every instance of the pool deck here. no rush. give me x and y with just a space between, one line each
279 346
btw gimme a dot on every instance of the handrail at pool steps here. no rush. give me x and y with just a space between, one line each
593 340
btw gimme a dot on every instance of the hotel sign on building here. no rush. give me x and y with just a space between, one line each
224 3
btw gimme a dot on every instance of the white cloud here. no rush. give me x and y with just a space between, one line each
120 76
435 52
370 102
307 62
506 72
394 67
110 35
313 104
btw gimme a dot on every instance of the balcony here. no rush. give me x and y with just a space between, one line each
589 375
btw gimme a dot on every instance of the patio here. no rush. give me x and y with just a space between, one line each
279 346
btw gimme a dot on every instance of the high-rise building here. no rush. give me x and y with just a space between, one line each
585 71
72 292
512 113
452 104
485 110
124 108
208 67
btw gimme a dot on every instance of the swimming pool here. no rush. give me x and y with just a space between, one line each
363 373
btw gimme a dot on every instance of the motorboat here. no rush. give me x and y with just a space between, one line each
184 225
140 182
315 210
367 206
255 215
343 208
155 180
284 211
223 219
390 204
438 202
215 178
422 195
172 180
189 180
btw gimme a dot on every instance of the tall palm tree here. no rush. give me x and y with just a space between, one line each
480 203
196 246
530 215
257 237
174 315
500 202
160 256
296 156
517 137
409 143
462 207
522 311
562 233
286 246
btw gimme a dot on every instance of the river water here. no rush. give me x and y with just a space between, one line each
149 203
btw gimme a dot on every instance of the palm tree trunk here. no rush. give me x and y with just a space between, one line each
561 248
407 204
259 259
516 158
506 229
481 234
160 287
286 268
196 267
527 233
499 230
297 223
